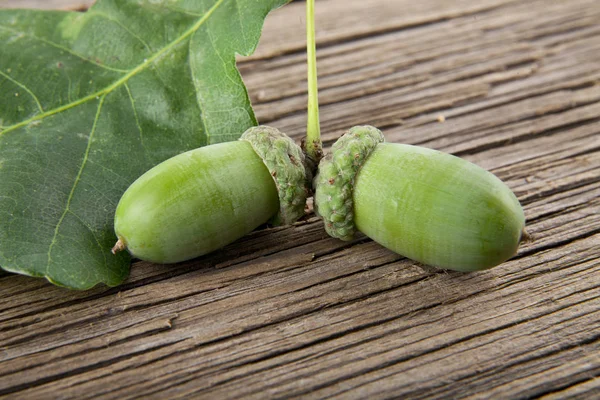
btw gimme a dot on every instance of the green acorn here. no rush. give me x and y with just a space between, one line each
427 205
204 199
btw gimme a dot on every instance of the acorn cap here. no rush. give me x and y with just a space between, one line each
334 182
286 163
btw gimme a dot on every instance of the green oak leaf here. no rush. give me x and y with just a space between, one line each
90 101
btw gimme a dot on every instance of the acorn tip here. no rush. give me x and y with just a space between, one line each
525 236
119 246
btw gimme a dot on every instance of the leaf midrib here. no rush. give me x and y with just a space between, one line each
123 79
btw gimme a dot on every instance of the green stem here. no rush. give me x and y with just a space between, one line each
313 145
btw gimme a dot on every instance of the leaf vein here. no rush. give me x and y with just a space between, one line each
125 181
214 46
93 234
25 88
135 115
172 8
239 13
192 67
77 179
58 46
116 21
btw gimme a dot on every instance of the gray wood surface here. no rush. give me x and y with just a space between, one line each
290 313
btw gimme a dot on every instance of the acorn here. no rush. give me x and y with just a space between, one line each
424 204
203 199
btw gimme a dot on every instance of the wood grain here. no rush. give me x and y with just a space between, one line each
291 313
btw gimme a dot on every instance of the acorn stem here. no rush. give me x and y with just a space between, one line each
313 146
526 236
118 247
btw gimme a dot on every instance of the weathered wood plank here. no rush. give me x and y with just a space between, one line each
469 304
289 312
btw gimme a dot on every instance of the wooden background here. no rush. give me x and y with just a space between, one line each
513 86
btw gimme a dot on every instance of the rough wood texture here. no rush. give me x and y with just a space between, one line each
289 312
